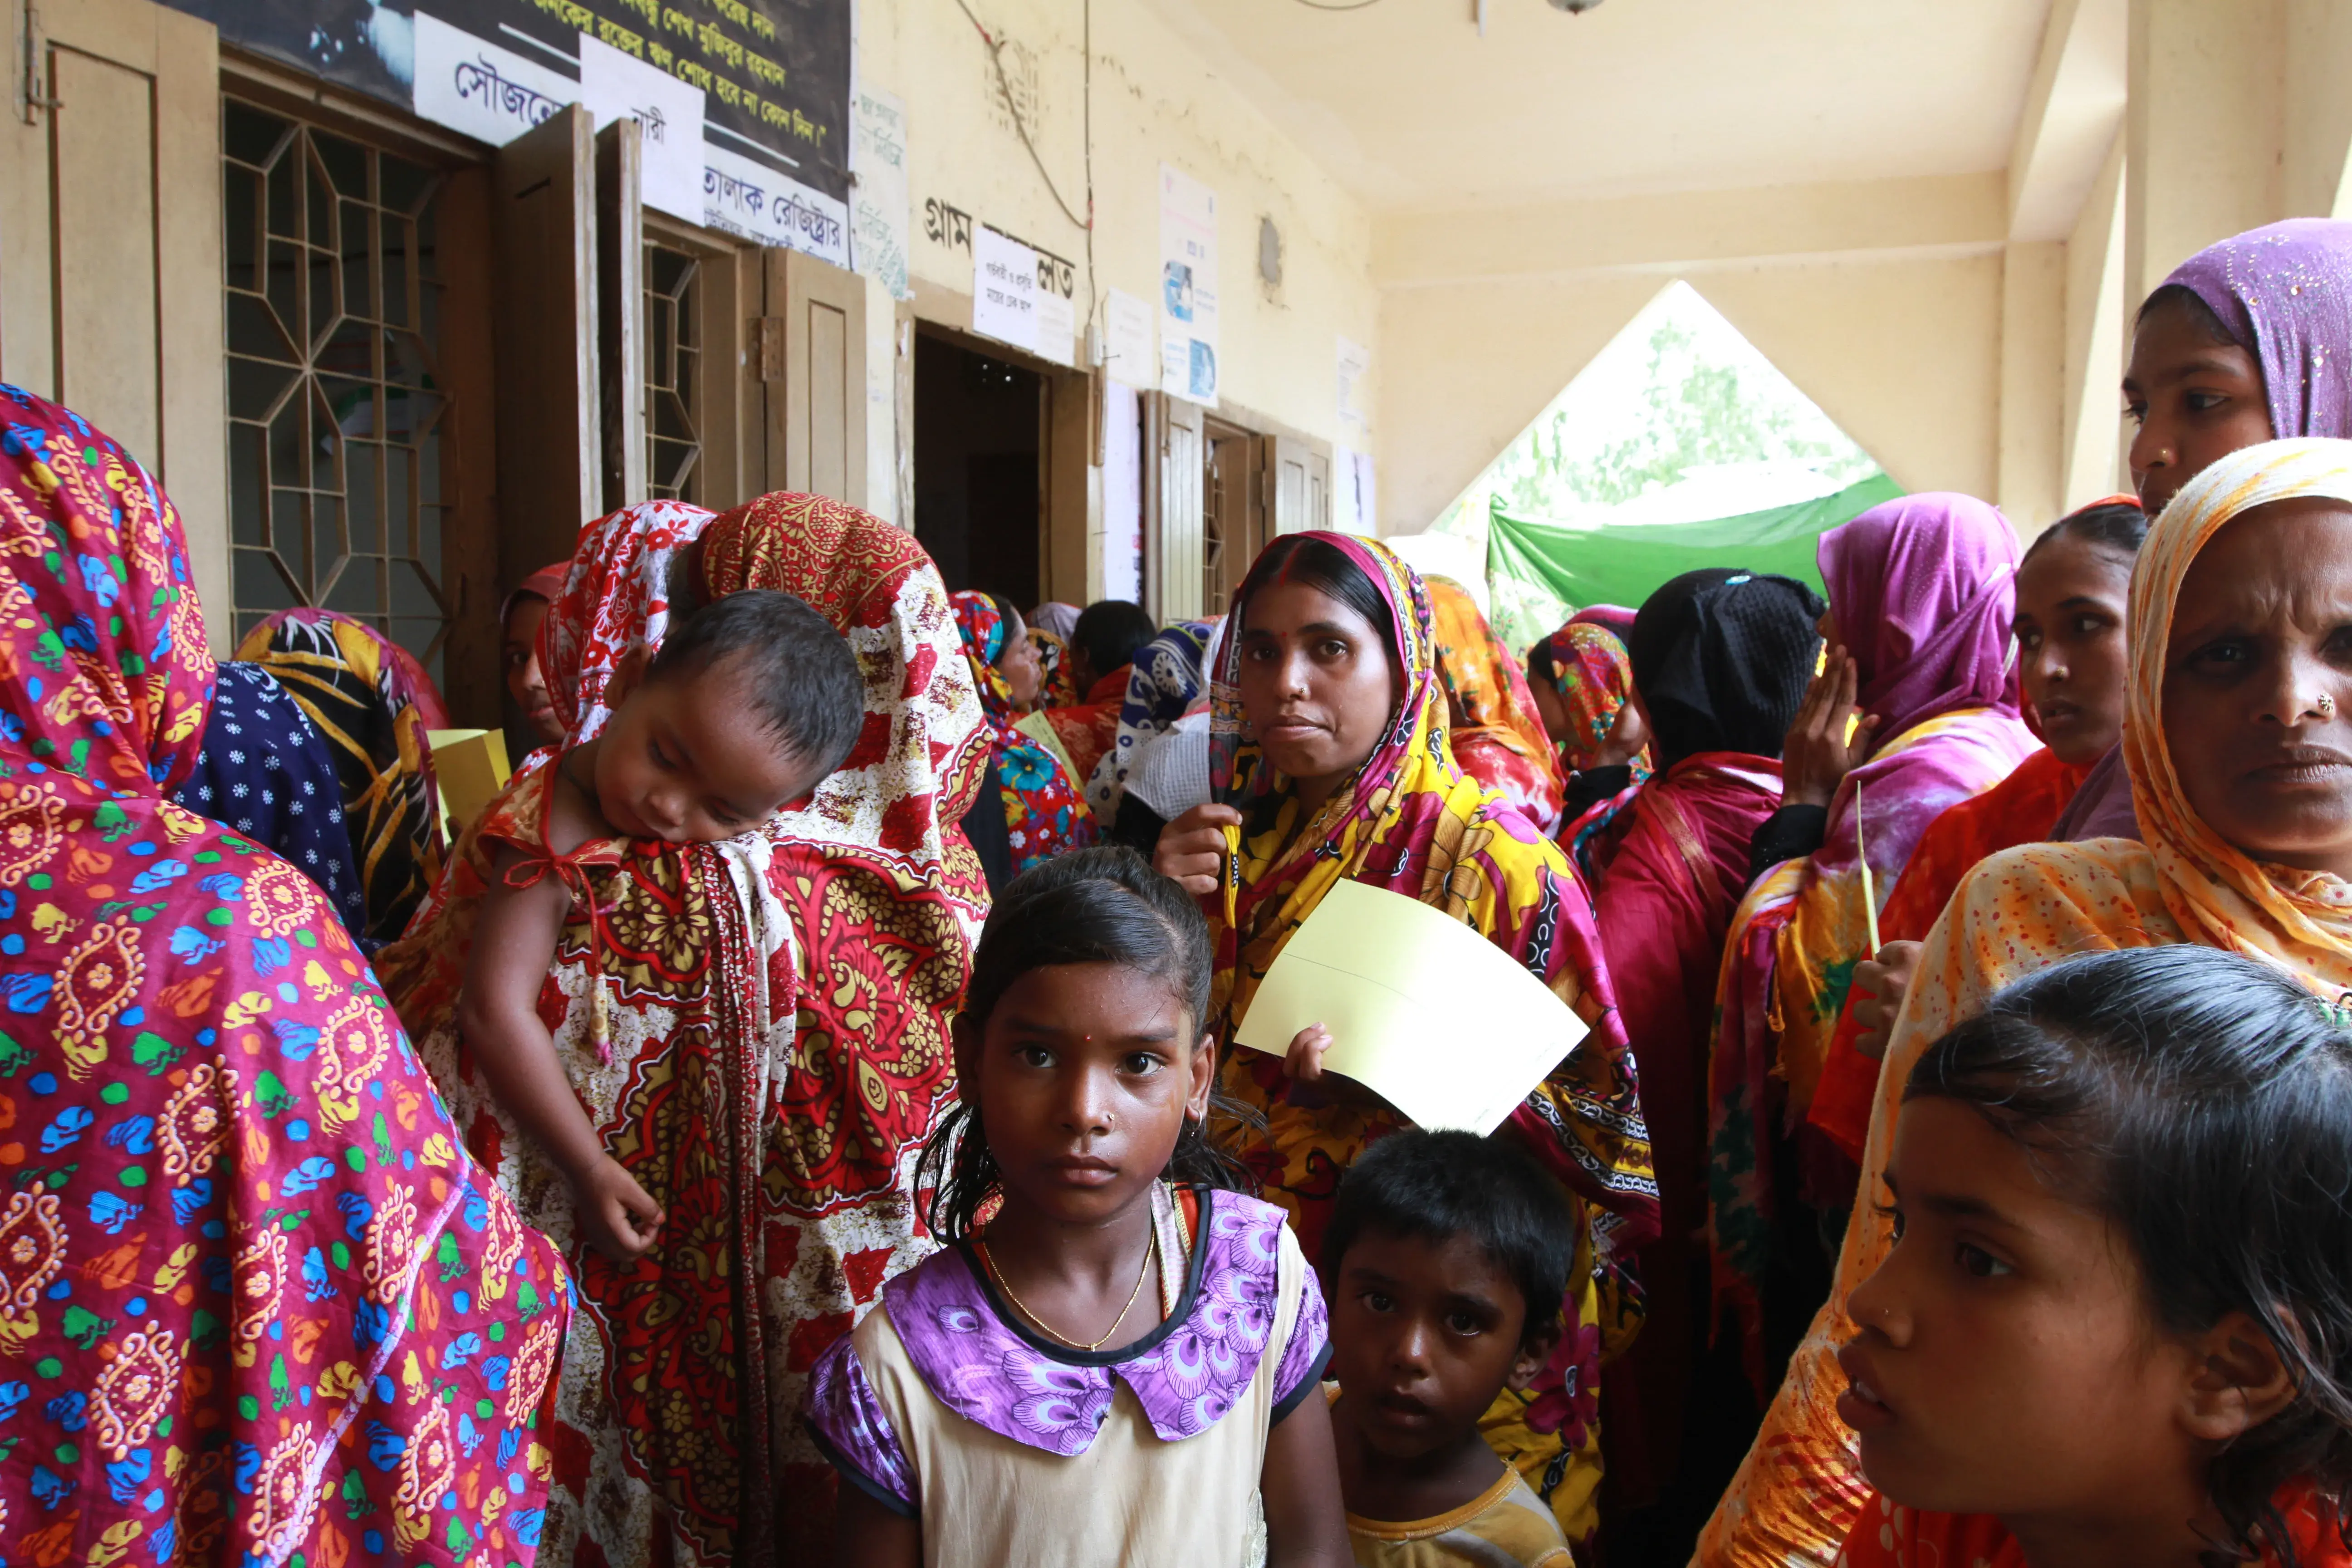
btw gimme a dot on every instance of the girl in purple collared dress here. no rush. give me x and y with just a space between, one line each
1115 1357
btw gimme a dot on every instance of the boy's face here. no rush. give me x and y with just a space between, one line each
1423 1335
687 760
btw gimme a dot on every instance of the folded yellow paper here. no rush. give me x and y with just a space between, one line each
469 768
1422 1010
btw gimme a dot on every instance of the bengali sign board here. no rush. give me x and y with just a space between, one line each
745 103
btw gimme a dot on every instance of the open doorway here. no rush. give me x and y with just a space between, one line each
978 504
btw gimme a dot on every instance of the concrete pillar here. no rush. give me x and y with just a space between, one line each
2096 318
2032 364
2317 130
2204 128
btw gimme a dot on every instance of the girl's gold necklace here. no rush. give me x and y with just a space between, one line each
1150 1251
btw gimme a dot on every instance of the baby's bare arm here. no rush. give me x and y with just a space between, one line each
514 945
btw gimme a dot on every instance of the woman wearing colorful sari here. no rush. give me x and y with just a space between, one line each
1492 724
1330 660
2071 593
1043 813
1921 592
373 705
1720 659
265 773
757 1027
261 1305
2238 688
1168 677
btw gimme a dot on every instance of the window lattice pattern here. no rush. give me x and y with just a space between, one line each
337 471
673 362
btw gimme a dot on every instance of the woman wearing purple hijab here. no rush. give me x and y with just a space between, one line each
1921 594
2248 341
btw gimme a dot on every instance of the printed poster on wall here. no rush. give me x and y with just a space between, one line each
1187 288
879 203
759 111
1128 353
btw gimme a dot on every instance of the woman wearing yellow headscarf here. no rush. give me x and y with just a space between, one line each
1329 758
2238 739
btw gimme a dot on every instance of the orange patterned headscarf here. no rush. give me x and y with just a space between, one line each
1483 681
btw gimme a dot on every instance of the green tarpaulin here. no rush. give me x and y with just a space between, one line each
1539 573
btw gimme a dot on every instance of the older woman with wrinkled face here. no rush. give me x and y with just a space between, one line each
2238 740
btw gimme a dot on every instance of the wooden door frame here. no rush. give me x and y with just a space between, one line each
1070 562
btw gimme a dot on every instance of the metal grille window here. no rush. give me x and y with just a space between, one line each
337 479
673 365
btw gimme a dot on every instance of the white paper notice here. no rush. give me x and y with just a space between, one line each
1057 321
1386 974
1004 289
613 84
743 195
1187 288
1126 342
492 94
877 195
1354 360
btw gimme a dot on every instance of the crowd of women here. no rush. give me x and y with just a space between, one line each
281 1283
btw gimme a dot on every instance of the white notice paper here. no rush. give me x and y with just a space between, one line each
1004 289
1057 322
1187 288
1126 342
878 196
1386 974
613 83
490 93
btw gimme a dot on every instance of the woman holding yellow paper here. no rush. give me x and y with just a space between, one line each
1331 763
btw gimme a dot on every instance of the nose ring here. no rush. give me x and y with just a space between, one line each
2326 706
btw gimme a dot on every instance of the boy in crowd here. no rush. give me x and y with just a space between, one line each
1448 1257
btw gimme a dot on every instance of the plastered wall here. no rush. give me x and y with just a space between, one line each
1882 301
1156 98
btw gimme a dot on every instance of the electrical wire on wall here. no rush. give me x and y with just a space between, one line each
995 46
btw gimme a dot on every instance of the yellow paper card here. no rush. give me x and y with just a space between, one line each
469 767
1422 1010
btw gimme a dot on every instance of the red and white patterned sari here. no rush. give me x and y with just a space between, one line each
776 1050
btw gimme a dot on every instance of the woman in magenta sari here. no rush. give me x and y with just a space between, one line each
1922 592
1720 661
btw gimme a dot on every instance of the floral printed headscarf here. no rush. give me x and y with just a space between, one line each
1593 676
1043 813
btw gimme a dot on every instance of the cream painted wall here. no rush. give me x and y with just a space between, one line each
1882 301
1156 100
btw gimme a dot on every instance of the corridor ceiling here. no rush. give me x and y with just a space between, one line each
1407 105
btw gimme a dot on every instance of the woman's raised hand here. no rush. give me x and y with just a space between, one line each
1818 752
1627 735
1191 850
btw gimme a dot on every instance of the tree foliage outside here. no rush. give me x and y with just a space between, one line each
1678 394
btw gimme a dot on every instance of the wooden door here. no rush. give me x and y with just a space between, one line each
110 167
811 347
620 311
550 462
1285 484
1175 461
